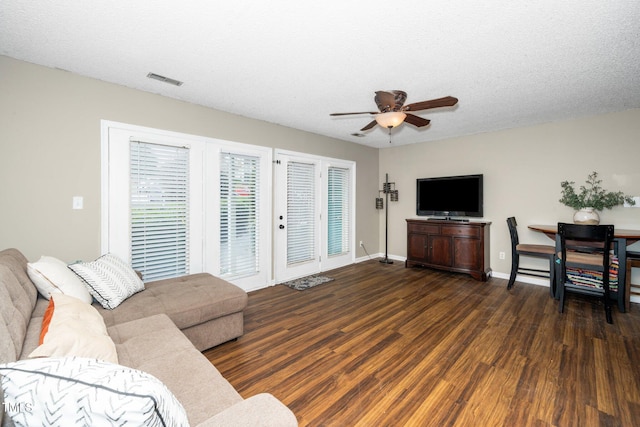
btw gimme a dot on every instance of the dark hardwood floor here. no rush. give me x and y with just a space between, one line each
382 345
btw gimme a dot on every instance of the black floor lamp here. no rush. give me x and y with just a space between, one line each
389 190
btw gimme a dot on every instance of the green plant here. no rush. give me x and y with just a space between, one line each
592 195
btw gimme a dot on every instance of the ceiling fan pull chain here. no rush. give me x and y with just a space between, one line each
389 134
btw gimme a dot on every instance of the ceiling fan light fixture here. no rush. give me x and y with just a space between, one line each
390 119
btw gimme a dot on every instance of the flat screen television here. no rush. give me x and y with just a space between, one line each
450 196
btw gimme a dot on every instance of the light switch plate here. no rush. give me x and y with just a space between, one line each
78 202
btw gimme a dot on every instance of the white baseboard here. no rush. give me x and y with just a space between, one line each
378 256
524 279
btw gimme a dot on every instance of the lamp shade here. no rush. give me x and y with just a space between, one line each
390 119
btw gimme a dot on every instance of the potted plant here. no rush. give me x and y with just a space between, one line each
590 199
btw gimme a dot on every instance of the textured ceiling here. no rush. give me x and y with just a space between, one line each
292 63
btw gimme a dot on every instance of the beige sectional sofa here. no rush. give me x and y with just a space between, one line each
160 331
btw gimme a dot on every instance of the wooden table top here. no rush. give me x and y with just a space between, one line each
551 230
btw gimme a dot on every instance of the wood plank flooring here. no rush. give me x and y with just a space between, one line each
382 345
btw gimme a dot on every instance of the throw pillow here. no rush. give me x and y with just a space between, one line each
51 275
81 392
109 279
46 321
74 329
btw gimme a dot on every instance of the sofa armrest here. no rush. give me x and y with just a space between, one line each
261 410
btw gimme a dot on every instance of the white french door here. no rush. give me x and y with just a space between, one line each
238 213
313 214
206 205
176 204
297 217
338 213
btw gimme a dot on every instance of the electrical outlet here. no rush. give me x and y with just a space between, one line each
361 243
635 199
502 255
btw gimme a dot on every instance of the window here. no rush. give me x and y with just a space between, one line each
301 238
239 214
338 201
159 210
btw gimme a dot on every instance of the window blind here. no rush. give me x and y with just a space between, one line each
239 214
159 210
301 239
338 211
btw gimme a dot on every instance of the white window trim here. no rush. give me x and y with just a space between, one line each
113 218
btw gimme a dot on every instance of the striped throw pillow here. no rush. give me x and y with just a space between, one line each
109 279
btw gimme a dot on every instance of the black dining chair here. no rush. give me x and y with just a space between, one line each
633 261
538 251
585 252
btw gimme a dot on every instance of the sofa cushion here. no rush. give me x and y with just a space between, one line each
18 297
80 391
51 275
155 345
187 300
75 329
109 279
261 410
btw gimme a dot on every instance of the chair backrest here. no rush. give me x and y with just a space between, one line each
592 244
513 231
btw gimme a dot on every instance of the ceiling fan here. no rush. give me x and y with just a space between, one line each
393 112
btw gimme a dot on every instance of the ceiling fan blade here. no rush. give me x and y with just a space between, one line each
369 126
447 101
386 101
416 120
399 97
348 114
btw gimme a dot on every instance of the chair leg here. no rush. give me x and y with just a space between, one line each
515 262
557 271
552 277
607 306
607 310
561 297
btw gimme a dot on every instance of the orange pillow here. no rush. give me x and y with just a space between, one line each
48 314
72 327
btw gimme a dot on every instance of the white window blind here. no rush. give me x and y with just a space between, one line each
338 211
301 239
239 215
159 210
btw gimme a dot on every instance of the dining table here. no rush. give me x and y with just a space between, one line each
622 239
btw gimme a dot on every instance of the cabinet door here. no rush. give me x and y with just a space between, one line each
440 251
468 253
417 247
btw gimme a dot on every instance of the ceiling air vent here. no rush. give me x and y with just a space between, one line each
164 79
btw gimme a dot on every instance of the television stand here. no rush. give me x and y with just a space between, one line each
457 246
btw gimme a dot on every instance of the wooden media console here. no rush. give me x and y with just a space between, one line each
451 245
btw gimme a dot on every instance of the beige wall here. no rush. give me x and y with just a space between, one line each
50 152
522 171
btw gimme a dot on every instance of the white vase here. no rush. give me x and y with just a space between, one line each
586 216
